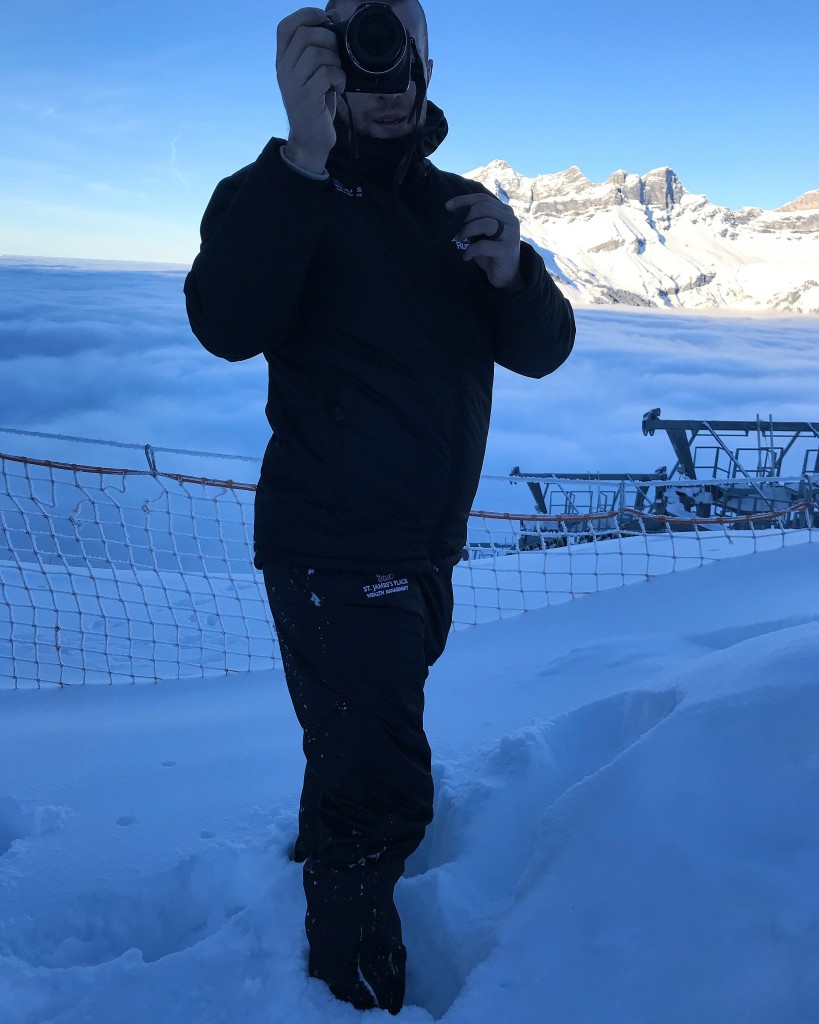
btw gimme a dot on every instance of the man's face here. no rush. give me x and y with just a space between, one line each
385 116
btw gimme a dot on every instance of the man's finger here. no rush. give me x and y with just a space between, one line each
472 199
491 250
304 40
483 227
306 17
484 209
496 210
310 61
325 78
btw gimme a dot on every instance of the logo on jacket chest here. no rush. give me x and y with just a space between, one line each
356 192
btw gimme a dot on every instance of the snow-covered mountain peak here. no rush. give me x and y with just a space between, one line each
660 188
646 240
526 190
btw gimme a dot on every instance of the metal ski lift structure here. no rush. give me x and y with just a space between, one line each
744 467
725 470
775 441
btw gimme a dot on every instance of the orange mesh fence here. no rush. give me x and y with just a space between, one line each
121 575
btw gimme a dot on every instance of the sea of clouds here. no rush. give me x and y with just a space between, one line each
105 351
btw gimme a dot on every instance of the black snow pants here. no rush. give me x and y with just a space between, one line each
356 649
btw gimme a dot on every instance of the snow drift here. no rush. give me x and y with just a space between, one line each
625 828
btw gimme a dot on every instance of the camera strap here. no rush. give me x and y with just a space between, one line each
352 135
416 75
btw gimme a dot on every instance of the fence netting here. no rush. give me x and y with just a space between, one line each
121 575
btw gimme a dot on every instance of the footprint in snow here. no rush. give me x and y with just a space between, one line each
159 914
20 820
12 823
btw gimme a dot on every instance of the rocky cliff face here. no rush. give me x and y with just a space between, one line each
646 240
809 201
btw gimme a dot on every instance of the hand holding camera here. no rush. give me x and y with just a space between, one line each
319 55
309 72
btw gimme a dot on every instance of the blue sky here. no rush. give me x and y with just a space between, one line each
118 119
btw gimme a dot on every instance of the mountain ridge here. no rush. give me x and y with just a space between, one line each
646 240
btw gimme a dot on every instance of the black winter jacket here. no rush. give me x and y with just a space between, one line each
381 344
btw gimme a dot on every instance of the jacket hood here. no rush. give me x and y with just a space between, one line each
434 130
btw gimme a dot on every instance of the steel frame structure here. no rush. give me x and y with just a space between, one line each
716 478
775 441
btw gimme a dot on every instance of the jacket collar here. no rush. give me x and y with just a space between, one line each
378 159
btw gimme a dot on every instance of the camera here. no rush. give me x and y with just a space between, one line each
377 53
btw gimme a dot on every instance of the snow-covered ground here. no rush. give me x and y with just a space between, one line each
626 827
625 832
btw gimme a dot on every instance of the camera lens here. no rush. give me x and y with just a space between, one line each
376 40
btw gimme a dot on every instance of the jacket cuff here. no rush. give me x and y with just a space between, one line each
324 176
301 189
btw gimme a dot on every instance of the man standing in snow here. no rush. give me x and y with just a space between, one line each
381 291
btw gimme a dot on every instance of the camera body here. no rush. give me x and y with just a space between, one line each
377 52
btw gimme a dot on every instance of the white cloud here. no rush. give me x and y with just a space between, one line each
111 355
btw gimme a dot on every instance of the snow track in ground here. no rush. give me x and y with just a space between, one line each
471 868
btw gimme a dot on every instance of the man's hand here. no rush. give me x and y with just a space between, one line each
493 231
308 68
